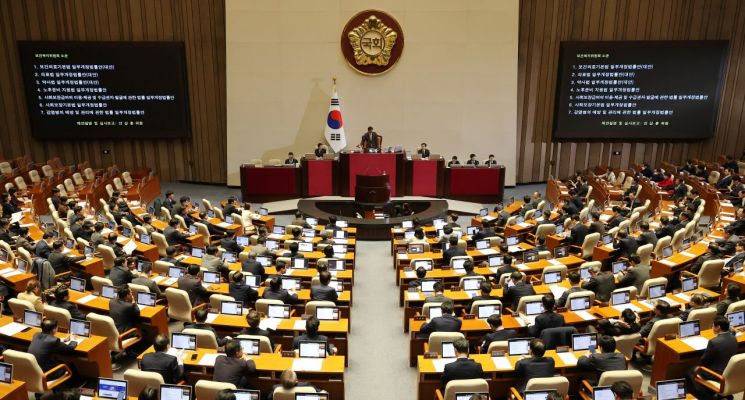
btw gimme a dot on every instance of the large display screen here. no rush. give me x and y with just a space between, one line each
642 90
105 90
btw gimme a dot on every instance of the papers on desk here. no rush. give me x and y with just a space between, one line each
275 236
585 315
567 358
501 362
514 249
12 328
86 299
169 281
106 231
686 298
488 251
648 303
410 274
270 323
402 256
6 270
472 293
16 216
459 271
211 317
157 279
727 219
525 224
668 263
130 247
209 359
557 290
341 241
554 261
440 363
608 246
669 301
622 307
223 224
83 397
520 321
488 218
121 239
605 217
412 296
307 364
12 273
697 342
299 325
688 254
494 269
522 266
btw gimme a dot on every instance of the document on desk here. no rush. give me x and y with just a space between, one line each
307 364
121 239
488 218
514 249
211 317
622 307
668 263
585 315
169 281
567 358
525 224
410 274
487 252
688 254
12 328
502 363
11 273
276 236
522 267
86 299
157 279
270 323
472 293
6 270
130 247
208 360
413 296
299 325
670 301
557 290
440 363
554 261
697 342
686 298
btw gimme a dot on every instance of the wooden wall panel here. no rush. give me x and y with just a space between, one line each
200 24
545 23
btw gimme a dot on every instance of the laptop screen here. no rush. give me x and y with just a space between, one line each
197 252
512 240
673 389
252 280
69 243
518 347
278 230
415 248
108 292
619 266
428 285
483 244
607 239
250 347
342 224
80 328
602 393
192 230
537 394
533 307
485 311
327 313
409 235
281 311
112 388
690 328
290 283
183 341
175 392
264 261
438 223
472 230
448 350
6 372
457 263
667 251
530 256
88 251
245 394
299 263
336 265
32 318
656 291
126 232
689 284
22 265
311 349
263 211
311 221
337 285
341 248
242 240
176 272
736 319
145 238
559 229
77 284
271 244
143 265
407 224
211 277
305 247
146 299
584 273
623 297
231 308
435 312
472 283
579 303
484 212
340 234
495 261
228 257
550 278
309 233
584 341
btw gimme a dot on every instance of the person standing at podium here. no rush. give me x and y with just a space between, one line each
423 151
320 150
370 140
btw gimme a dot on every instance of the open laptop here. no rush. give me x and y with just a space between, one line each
265 261
77 284
312 349
537 394
32 318
228 257
471 284
263 211
584 272
183 341
80 329
512 240
342 224
413 248
271 245
281 311
308 233
112 388
448 350
483 244
607 239
434 312
175 392
530 256
336 265
88 252
341 248
583 341
559 229
145 238
337 285
689 284
340 234
428 285
673 389
176 272
518 347
622 297
602 393
305 247
197 252
141 265
689 328
736 319
108 292
311 221
245 394
231 308
211 277
146 299
250 347
533 308
299 263
472 230
6 372
278 230
22 265
483 212
561 251
409 235
290 283
324 313
656 291
408 224
618 266
192 230
551 278
579 303
484 311
242 241
667 251
252 280
457 263
496 260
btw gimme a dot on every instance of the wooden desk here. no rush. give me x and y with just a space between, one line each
91 358
677 262
156 316
673 358
15 390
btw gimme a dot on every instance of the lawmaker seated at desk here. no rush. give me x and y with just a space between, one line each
234 367
323 291
311 335
45 345
291 160
628 324
518 290
123 310
718 352
463 367
288 381
32 294
548 318
200 318
732 294
320 150
170 367
62 300
490 161
535 366
661 312
472 160
423 151
191 283
276 292
444 323
453 161
253 319
497 334
173 235
241 291
607 360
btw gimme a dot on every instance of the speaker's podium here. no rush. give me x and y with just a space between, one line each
372 190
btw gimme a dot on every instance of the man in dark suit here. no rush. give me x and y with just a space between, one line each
666 228
229 244
240 291
191 283
123 311
578 232
62 300
602 283
661 311
311 334
625 245
497 333
421 273
506 267
615 219
423 151
486 231
320 151
635 275
161 362
230 208
596 226
718 352
120 273
170 257
463 367
484 294
607 360
439 296
728 244
44 246
732 293
680 191
234 367
516 290
370 139
275 292
61 262
173 235
254 319
646 236
444 323
252 266
323 291
536 366
548 318
45 345
574 281
502 217
169 202
116 247
452 251
200 318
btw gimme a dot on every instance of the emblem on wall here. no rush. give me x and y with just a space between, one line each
372 42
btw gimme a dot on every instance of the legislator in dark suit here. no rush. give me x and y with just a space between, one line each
43 249
70 307
193 287
444 323
44 347
451 252
647 237
174 237
545 320
370 140
230 209
719 351
258 332
164 364
230 245
635 276
626 246
126 315
323 292
533 367
461 368
255 268
234 370
562 300
120 275
200 325
601 362
61 262
242 292
602 284
513 294
577 234
496 336
280 294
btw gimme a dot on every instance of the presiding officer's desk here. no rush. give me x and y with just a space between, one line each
500 377
91 357
269 366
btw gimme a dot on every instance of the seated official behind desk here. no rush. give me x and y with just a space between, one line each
233 367
463 367
535 366
291 160
423 151
45 345
607 360
168 366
